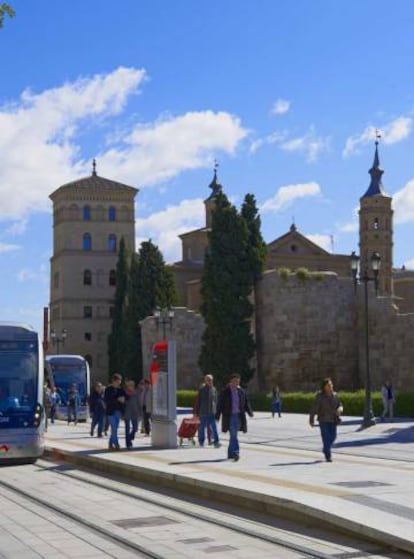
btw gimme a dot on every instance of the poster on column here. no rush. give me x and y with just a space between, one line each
159 380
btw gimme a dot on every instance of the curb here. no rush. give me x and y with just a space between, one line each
244 499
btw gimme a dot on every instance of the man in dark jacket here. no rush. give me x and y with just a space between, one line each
97 409
233 405
206 409
115 406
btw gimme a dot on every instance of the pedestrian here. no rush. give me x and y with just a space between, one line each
233 405
115 405
388 400
73 404
54 402
145 401
132 412
46 402
276 402
97 409
328 408
206 410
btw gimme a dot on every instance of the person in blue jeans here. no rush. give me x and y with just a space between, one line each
233 405
115 405
206 407
328 408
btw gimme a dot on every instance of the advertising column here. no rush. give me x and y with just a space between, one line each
164 400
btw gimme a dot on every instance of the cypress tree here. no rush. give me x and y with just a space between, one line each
151 285
257 251
116 339
226 284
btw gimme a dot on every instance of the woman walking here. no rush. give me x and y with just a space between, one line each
328 409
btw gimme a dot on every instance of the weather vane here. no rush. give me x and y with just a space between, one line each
377 136
94 167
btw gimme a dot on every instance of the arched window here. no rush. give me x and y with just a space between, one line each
376 223
86 213
87 277
112 277
112 243
112 214
87 241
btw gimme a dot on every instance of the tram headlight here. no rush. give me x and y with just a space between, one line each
37 418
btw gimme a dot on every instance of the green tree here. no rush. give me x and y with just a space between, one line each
257 251
116 339
228 345
151 285
5 10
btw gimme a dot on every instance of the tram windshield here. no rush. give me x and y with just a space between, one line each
18 376
66 376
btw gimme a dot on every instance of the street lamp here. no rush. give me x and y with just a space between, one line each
164 317
56 340
369 418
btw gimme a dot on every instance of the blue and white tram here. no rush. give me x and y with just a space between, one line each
21 394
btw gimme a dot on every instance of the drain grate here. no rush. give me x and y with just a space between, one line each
144 521
196 540
361 483
219 548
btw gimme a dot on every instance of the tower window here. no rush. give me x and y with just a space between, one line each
86 213
293 248
87 242
87 277
87 311
112 277
376 223
112 243
88 336
112 214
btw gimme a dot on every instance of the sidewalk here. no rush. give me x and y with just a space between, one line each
368 489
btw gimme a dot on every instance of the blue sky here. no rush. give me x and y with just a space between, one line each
286 95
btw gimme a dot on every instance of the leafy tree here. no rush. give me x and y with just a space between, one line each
116 339
257 251
151 285
257 248
226 285
5 10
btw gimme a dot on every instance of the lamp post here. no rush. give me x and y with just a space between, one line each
56 340
369 418
164 317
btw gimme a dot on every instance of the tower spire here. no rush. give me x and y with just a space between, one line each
94 173
376 187
215 185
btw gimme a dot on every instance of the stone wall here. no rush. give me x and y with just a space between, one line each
307 330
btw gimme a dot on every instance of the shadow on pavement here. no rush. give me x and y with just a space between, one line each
185 462
392 435
297 463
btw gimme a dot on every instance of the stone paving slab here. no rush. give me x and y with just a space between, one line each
368 489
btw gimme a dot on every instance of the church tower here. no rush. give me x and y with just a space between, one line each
375 227
90 216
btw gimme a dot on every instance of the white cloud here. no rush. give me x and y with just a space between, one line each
409 264
17 228
161 150
310 144
394 131
324 241
40 147
403 203
350 227
26 274
280 107
286 195
4 247
164 227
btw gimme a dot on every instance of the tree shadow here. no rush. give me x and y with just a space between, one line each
185 462
392 435
297 463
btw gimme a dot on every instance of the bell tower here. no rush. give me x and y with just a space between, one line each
375 226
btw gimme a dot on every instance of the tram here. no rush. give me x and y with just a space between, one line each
65 372
22 417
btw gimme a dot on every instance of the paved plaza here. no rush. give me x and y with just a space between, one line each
367 490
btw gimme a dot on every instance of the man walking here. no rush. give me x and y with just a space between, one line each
207 408
233 405
115 404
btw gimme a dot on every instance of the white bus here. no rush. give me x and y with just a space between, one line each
64 372
21 394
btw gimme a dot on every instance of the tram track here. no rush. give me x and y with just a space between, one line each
236 523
